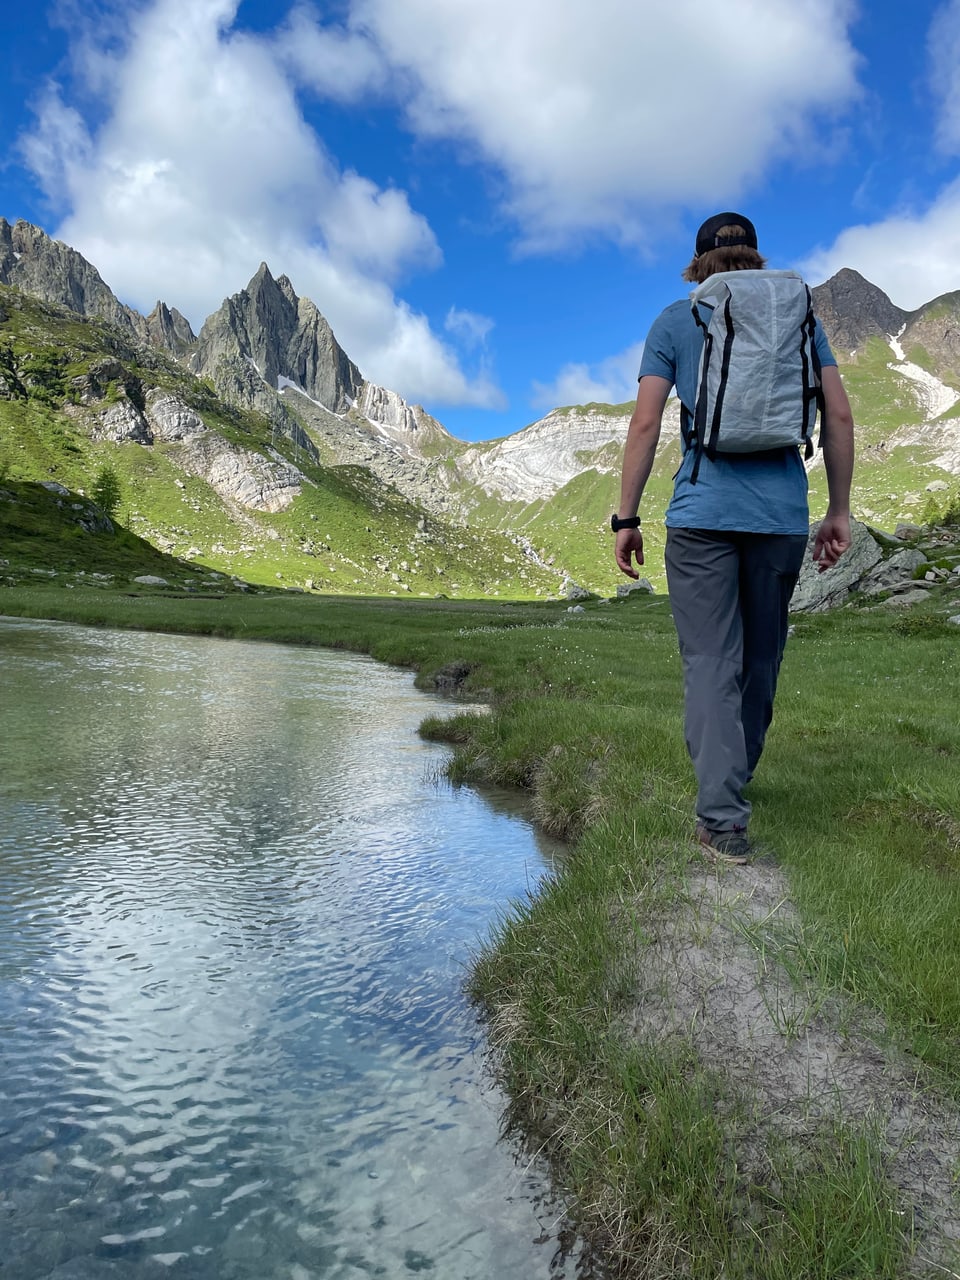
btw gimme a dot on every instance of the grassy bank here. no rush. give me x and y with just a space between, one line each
680 1157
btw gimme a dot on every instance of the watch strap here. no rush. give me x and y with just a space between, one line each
628 522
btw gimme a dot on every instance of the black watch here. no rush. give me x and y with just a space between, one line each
616 524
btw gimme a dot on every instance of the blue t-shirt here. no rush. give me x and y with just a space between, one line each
747 494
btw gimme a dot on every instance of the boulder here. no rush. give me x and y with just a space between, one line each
573 590
815 591
904 598
890 574
907 532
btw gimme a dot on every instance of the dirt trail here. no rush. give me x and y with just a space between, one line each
722 970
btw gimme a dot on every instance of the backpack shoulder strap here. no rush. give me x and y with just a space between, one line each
813 401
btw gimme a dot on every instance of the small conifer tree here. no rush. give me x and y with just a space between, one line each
106 491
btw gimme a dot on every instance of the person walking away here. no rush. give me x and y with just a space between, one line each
738 522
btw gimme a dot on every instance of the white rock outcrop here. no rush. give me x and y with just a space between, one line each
542 458
170 419
408 426
533 464
240 475
121 422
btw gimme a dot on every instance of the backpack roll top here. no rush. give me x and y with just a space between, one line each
758 385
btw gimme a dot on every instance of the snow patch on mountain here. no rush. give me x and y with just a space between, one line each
935 399
934 396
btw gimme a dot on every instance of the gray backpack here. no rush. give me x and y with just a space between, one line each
758 388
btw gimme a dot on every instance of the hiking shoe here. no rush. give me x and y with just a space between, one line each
729 847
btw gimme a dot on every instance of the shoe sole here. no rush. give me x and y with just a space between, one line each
715 857
718 856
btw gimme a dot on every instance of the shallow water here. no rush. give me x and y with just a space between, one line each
236 908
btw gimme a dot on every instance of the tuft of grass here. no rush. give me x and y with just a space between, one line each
833 1206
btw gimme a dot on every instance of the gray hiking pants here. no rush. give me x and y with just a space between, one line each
729 594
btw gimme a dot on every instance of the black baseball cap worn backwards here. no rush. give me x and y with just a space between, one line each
707 235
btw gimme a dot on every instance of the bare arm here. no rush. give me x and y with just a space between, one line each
643 435
833 536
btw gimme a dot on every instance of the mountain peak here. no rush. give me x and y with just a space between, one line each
285 286
50 269
262 273
851 310
167 328
284 337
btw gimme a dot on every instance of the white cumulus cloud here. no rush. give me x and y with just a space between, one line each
335 62
602 113
470 327
913 257
609 381
204 166
914 254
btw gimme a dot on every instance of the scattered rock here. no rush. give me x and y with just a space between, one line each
887 575
815 591
452 677
908 532
627 588
151 580
573 591
904 598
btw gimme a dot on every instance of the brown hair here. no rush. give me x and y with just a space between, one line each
736 257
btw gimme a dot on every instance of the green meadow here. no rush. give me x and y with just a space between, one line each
674 1155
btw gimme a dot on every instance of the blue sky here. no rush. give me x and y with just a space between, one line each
489 200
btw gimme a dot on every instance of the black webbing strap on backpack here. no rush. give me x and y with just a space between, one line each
710 445
694 431
813 388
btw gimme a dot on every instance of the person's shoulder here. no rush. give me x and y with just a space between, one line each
677 313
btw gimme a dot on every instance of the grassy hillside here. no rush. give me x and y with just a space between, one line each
890 477
349 533
571 529
60 538
344 532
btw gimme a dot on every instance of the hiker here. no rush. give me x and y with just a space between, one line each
738 522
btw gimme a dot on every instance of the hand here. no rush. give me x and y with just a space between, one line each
629 545
833 539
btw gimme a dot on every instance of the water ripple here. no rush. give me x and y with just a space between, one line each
234 919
